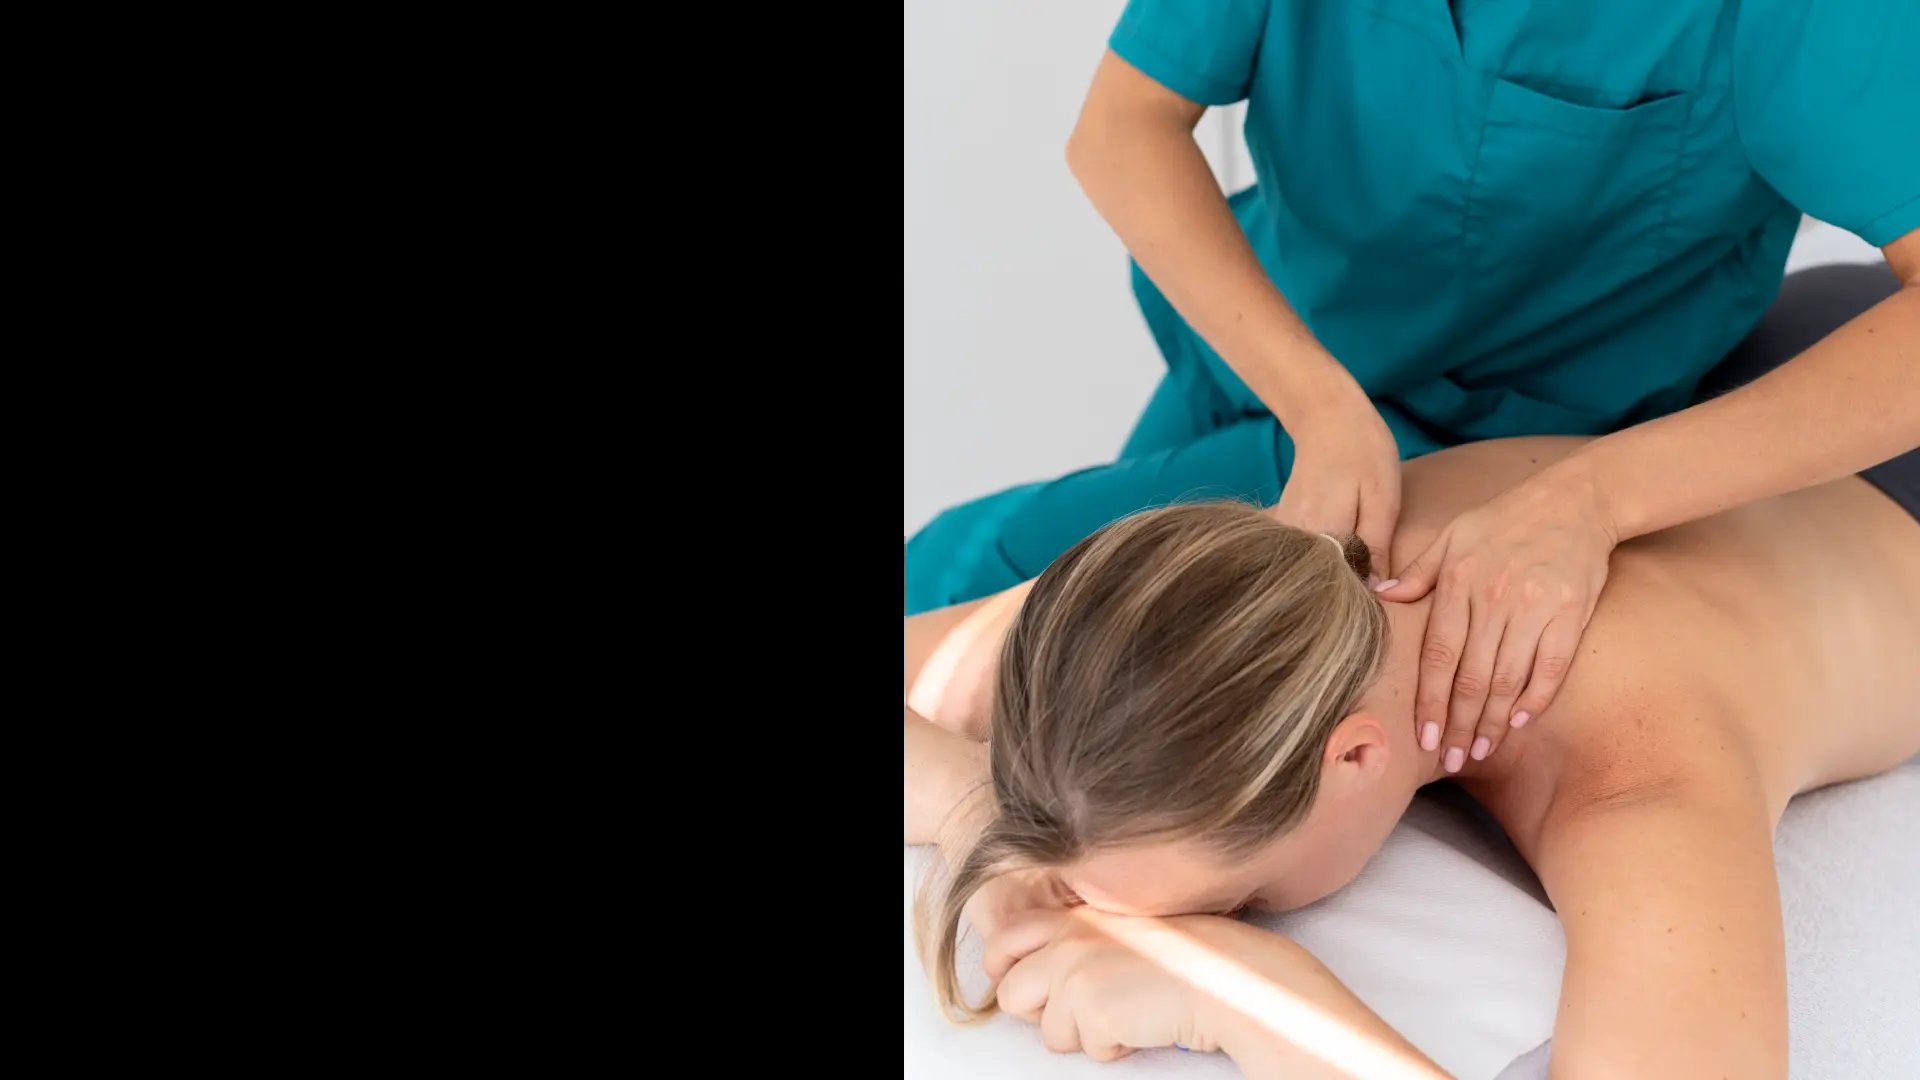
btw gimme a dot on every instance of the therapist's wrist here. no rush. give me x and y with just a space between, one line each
1583 478
1306 388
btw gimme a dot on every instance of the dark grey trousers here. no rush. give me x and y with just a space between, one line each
1812 304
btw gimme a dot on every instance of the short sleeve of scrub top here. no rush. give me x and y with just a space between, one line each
1827 98
1203 50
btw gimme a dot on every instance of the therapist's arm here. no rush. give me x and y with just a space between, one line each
1134 154
1846 404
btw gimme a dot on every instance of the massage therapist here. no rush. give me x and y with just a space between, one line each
1485 219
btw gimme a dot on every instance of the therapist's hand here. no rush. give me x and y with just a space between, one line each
1514 581
1346 473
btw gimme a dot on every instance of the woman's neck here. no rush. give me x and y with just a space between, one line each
1392 699
1512 783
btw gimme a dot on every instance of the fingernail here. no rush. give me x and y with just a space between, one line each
1454 759
1480 748
1520 718
1180 1048
1430 736
1373 581
1387 584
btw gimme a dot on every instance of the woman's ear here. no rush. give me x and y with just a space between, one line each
1358 742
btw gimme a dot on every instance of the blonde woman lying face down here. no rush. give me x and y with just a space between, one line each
1198 709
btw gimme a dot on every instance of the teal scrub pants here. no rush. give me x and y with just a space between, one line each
1190 444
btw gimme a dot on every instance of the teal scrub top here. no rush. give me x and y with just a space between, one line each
1513 217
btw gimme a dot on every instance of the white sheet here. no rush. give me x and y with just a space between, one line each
1447 936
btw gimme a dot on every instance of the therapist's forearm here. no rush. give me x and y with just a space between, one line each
1846 404
1145 175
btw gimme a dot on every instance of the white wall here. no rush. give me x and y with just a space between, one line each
1025 354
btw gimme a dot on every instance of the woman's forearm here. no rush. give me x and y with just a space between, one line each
1293 1019
1134 154
943 772
1846 404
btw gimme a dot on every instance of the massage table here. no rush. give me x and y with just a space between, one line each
1448 936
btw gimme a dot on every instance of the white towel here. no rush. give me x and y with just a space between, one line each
1447 936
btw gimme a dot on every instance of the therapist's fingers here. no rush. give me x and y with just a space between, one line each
1379 513
1551 661
1486 627
1510 668
1318 510
1417 578
1439 659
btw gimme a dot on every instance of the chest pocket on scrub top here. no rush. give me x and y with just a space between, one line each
1564 189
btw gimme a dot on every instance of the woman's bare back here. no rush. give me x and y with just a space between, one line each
1792 623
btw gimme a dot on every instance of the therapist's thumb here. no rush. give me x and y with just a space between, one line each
1415 579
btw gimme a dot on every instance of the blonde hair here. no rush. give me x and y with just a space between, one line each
1175 675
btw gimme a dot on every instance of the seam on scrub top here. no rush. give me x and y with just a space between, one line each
1878 218
1733 97
1558 84
1133 39
1449 47
1473 177
1454 50
1673 181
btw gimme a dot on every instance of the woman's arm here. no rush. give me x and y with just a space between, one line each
1676 958
1848 403
942 770
1109 984
951 656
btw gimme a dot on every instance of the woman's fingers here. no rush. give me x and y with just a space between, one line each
1024 934
1027 986
1059 1029
1551 660
1510 669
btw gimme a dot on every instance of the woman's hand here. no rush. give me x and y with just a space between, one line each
1346 472
1108 985
1011 898
1515 581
